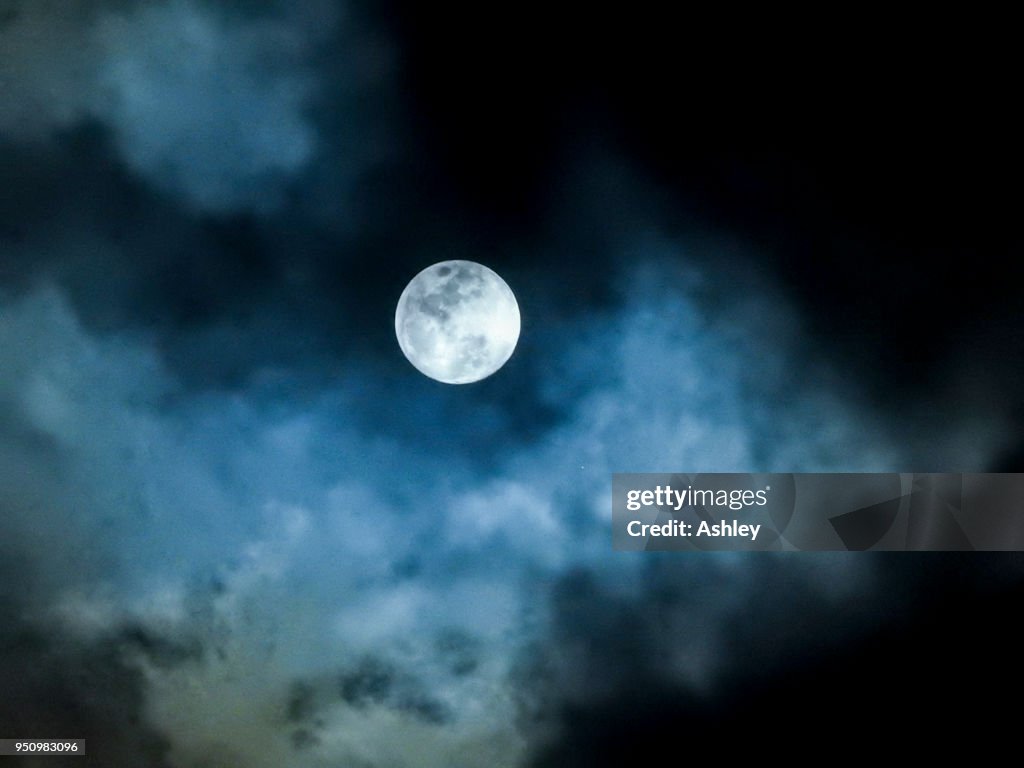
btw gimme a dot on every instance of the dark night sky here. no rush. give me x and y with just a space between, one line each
237 527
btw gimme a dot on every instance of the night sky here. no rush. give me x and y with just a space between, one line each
239 530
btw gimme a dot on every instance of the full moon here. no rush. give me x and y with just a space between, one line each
457 322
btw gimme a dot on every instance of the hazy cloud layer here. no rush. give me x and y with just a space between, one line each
212 109
210 102
282 584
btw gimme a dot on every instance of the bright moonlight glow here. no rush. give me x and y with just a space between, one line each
457 322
